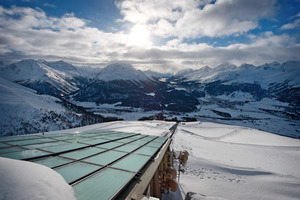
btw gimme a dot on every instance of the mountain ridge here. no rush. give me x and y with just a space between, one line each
256 96
23 111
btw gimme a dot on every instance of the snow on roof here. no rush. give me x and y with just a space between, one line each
26 180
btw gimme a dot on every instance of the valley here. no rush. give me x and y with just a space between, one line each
263 97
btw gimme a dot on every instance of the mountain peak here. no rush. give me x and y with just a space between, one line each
225 67
62 66
183 72
121 71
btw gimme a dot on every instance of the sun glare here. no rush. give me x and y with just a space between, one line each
139 36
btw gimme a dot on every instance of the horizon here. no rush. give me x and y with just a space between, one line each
165 36
93 68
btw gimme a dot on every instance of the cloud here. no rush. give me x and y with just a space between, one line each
264 48
30 33
192 18
293 25
49 5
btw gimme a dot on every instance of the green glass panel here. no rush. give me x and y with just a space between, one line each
105 158
161 139
147 139
98 137
28 142
88 135
24 154
9 138
52 161
67 138
76 170
3 145
109 145
78 139
54 135
127 148
49 144
154 144
10 149
138 136
132 162
82 153
15 138
128 134
65 147
95 141
126 140
146 151
139 142
102 185
113 137
153 136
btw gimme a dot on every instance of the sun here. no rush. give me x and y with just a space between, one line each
139 36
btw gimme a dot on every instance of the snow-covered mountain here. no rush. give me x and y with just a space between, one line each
63 67
121 71
275 81
266 97
157 75
23 111
123 85
54 78
265 75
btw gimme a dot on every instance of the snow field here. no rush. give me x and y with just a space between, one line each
241 164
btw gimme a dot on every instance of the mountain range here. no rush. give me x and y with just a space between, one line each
265 97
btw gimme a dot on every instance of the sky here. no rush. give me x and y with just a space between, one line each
161 35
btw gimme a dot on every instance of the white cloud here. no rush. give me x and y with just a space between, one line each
196 18
293 25
30 33
49 5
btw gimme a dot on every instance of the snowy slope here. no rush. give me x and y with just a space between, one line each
25 112
265 97
63 67
157 75
264 74
231 162
121 71
20 105
32 73
226 162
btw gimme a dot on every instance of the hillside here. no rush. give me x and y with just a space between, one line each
121 71
265 97
23 111
53 78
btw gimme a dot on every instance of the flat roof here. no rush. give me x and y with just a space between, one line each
98 164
